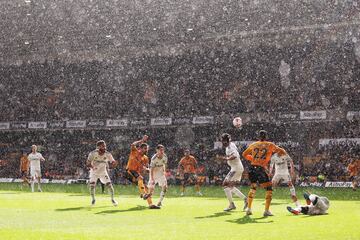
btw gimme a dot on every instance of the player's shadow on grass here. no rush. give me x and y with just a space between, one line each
247 219
137 208
77 208
274 203
218 214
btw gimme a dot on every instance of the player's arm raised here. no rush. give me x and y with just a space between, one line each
143 140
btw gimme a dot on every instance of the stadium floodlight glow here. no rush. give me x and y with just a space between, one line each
27 1
27 42
108 36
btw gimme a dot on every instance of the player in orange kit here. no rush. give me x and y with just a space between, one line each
24 168
187 168
259 154
354 170
137 163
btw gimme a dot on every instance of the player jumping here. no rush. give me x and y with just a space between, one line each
234 176
259 154
35 171
315 205
187 167
137 163
98 161
282 173
157 173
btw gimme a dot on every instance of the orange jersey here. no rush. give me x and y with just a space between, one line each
354 168
24 163
136 162
259 153
188 164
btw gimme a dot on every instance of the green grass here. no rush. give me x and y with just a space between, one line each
63 212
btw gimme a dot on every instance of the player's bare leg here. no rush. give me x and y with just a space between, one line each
111 191
92 192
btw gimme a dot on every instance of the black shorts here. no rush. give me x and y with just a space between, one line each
258 174
24 174
132 175
190 177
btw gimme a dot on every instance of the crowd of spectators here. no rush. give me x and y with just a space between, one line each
209 82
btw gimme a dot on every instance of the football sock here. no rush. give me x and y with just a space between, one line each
92 192
251 196
32 185
162 195
111 191
149 201
293 196
268 197
182 188
197 188
238 193
228 194
141 186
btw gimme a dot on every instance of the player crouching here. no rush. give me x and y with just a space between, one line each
315 205
97 162
157 173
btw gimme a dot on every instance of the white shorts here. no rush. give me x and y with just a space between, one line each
234 176
104 178
158 179
281 177
35 172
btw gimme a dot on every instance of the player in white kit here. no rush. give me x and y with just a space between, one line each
315 205
35 170
282 174
98 161
157 173
233 178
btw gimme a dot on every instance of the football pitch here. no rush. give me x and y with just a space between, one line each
64 212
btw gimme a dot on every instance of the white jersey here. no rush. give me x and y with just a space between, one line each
235 164
158 163
35 159
99 162
281 164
